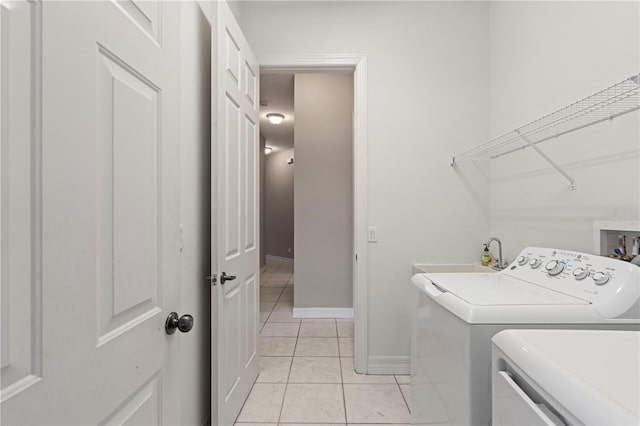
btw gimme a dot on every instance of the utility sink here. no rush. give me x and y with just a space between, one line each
452 268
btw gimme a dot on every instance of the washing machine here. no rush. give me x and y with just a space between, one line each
457 314
566 377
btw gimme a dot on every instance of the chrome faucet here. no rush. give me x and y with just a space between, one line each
499 264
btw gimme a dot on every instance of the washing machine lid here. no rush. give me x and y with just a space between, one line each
499 290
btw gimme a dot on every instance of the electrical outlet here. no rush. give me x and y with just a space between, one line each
372 234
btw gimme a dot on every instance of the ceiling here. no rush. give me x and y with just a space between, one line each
277 89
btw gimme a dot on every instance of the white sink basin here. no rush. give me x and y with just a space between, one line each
451 268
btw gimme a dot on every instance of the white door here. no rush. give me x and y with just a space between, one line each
90 205
235 251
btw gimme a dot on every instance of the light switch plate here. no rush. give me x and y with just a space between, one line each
372 237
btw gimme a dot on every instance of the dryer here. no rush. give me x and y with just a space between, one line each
456 315
560 377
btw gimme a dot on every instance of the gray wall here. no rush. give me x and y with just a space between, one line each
195 208
278 180
263 252
323 190
428 94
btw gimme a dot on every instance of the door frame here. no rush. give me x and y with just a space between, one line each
356 63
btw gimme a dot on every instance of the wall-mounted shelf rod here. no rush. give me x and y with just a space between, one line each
557 135
614 101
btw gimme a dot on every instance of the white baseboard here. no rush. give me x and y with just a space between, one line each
279 259
389 365
323 312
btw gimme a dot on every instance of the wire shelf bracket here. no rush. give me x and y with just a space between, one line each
614 101
549 160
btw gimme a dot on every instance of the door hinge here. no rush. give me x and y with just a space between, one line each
181 231
213 279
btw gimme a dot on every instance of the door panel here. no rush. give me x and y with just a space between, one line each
127 227
144 14
250 179
251 86
20 189
231 179
141 408
235 326
231 351
232 55
250 344
103 212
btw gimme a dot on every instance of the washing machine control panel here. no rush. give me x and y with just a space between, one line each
555 267
582 275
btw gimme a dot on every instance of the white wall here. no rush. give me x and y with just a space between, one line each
323 139
195 188
545 55
236 8
428 98
278 204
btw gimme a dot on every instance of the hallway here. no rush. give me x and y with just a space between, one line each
306 369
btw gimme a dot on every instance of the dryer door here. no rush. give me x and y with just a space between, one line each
513 407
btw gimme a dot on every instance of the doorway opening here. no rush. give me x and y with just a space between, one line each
276 196
355 256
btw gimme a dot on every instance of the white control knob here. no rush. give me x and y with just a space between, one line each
554 268
551 264
580 273
534 263
522 260
600 278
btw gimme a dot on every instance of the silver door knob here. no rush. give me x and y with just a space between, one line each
173 323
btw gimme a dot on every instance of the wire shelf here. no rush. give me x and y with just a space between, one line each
612 102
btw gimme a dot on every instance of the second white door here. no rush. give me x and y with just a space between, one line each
236 213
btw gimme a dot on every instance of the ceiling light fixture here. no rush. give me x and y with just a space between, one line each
275 118
267 150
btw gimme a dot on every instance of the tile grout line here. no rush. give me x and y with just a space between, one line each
272 309
286 386
245 402
256 380
402 393
344 397
259 336
276 268
320 383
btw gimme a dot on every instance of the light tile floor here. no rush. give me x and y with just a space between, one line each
306 370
